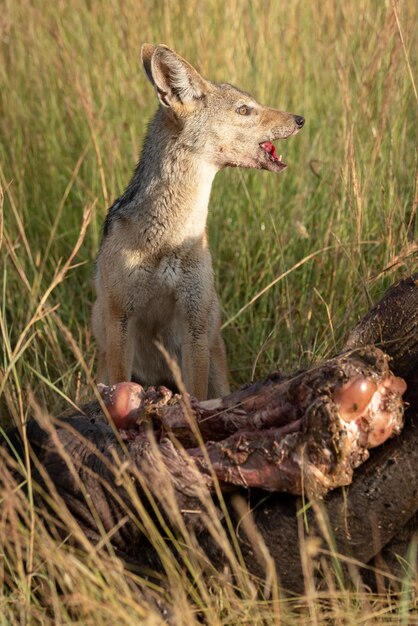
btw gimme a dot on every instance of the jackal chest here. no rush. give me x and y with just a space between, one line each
169 272
151 300
153 280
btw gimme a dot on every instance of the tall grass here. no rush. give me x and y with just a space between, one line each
298 257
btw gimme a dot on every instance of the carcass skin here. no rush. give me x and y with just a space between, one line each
365 517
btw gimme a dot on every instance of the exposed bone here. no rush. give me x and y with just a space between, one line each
353 397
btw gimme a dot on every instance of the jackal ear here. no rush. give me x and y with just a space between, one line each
173 78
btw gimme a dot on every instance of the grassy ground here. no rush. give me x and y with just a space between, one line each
299 257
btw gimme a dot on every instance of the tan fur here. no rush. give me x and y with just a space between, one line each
154 276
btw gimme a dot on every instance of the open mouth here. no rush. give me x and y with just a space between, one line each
271 154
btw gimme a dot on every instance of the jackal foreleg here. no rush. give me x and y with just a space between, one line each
119 348
218 368
195 364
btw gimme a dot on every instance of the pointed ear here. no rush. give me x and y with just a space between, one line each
173 78
147 51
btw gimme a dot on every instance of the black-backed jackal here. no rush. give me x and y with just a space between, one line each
154 277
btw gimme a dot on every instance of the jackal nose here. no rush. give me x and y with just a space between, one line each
299 120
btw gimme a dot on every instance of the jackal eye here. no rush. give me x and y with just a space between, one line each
244 110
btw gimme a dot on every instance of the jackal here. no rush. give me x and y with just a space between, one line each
154 278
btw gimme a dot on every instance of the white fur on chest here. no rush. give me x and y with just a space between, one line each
195 223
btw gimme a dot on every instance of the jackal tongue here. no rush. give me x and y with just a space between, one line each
270 148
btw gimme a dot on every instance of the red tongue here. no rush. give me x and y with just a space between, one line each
270 148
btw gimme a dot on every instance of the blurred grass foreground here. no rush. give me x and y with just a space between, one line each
298 257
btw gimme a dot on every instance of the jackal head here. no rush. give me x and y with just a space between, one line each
218 122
